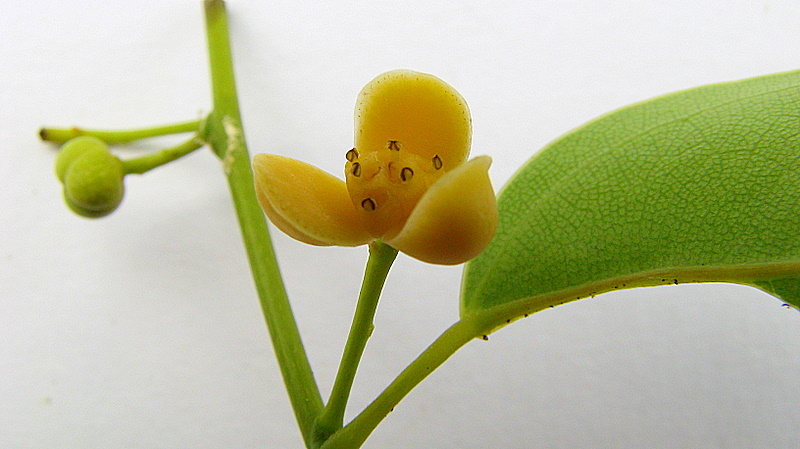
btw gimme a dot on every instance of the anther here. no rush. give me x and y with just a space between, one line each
406 174
351 155
356 169
394 145
368 204
437 162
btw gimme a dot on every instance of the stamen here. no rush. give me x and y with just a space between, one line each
356 170
368 204
437 162
406 174
351 155
394 145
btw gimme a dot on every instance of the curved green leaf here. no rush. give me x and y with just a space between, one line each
697 186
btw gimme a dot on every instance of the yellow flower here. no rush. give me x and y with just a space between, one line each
408 179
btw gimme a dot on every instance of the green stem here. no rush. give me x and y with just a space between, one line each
381 257
61 135
224 132
356 432
146 163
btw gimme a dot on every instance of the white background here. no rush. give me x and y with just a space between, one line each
142 330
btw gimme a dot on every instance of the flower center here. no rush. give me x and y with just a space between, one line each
385 184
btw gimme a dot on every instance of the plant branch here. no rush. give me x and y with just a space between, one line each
224 132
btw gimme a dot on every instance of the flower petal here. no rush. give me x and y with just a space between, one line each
417 113
455 219
307 203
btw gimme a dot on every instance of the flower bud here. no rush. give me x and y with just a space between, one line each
92 177
74 148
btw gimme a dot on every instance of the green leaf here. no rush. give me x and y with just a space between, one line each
697 186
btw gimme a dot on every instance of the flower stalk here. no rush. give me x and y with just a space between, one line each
62 135
146 163
381 257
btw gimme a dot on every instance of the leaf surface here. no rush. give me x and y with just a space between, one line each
701 185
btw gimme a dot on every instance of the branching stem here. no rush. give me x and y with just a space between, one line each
356 432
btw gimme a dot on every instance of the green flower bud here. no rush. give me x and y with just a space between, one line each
92 177
74 148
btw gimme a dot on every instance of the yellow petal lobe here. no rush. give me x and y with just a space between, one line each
455 219
413 112
307 203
